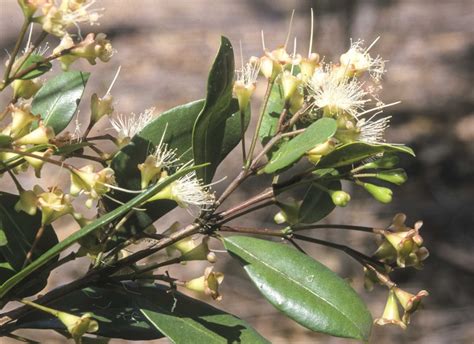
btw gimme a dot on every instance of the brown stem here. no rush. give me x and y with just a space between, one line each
247 211
358 256
329 226
38 236
268 193
257 231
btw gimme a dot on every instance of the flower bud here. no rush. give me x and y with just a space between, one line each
21 120
29 7
37 164
409 302
320 150
78 326
25 88
66 59
101 107
149 171
340 198
397 176
199 252
269 68
289 212
296 102
27 202
207 284
38 136
391 314
93 47
380 193
243 93
387 161
289 84
308 66
93 184
53 204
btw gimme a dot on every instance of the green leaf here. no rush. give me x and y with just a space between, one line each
293 150
58 99
42 68
186 320
208 133
145 312
84 231
17 234
353 152
302 288
317 204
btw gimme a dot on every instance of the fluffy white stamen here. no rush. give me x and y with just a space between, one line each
188 190
372 131
360 60
130 125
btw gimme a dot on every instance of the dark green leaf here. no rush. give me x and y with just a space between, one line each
293 150
186 320
303 289
54 251
42 67
208 133
17 234
353 152
317 204
58 99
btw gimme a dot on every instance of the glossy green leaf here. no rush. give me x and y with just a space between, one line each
42 67
317 204
302 288
293 150
208 133
17 234
353 152
186 320
58 99
86 230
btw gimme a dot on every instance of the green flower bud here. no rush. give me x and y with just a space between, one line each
387 161
308 66
27 202
40 135
288 213
289 83
101 107
340 198
397 176
391 314
380 193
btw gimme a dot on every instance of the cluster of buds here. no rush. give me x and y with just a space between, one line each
409 302
402 245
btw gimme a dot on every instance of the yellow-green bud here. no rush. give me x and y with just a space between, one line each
289 212
21 120
308 66
388 161
37 164
320 150
78 326
207 284
289 83
101 107
40 135
148 171
380 193
27 202
391 314
340 198
25 88
397 176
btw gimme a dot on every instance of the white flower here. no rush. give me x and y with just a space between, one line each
358 60
372 131
127 126
246 80
189 190
335 95
164 157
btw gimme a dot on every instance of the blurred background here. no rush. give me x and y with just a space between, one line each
165 49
